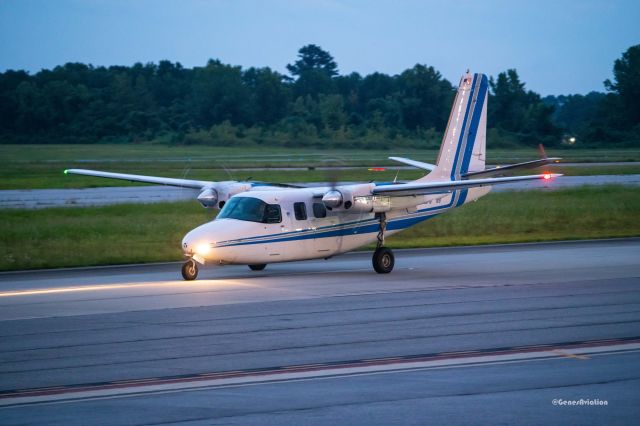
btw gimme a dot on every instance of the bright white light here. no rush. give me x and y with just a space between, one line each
203 249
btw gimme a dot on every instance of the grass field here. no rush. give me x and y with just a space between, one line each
148 233
270 156
41 166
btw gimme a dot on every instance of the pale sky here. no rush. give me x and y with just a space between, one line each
557 46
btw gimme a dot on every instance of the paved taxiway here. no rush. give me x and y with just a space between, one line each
479 334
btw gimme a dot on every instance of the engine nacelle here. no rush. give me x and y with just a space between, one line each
333 199
371 204
208 198
356 199
215 196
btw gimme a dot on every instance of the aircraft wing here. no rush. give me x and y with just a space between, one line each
425 188
182 183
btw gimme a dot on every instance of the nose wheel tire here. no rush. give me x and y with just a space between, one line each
257 267
383 260
189 270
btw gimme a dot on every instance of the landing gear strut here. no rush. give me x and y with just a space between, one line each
190 270
383 259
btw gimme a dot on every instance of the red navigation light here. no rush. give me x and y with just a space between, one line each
377 169
546 176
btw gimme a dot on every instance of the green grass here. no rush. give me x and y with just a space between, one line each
127 233
525 216
148 233
273 156
594 170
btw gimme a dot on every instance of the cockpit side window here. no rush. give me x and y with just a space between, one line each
272 214
300 210
319 210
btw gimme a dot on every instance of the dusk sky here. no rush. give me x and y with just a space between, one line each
557 46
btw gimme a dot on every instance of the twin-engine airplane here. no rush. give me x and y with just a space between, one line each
267 223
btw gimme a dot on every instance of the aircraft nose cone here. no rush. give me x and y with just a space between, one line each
192 241
199 241
185 245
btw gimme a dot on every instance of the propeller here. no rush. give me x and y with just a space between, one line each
208 197
333 198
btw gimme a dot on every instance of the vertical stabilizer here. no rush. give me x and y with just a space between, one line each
463 146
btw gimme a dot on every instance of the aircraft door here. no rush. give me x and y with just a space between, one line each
326 242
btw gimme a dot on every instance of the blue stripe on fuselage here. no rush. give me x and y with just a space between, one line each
394 224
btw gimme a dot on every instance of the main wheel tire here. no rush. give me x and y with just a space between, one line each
383 260
189 270
257 267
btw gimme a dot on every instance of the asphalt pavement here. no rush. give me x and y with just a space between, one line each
508 334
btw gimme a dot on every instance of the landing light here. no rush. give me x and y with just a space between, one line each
203 249
546 176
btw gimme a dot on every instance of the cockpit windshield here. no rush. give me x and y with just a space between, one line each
251 209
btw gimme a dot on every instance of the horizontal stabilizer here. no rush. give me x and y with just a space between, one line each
414 163
505 170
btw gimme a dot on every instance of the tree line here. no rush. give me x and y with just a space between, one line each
221 104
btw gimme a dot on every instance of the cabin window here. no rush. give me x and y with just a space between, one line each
319 210
300 210
251 209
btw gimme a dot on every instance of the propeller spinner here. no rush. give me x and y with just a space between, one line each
332 199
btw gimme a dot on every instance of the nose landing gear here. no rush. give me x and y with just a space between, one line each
189 270
383 259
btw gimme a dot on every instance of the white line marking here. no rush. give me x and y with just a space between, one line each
329 372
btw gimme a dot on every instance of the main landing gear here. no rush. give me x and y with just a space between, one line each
259 267
383 259
190 270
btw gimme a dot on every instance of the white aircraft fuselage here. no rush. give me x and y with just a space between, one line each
301 237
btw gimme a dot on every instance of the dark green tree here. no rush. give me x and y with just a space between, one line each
520 112
269 95
219 94
626 84
314 69
425 98
313 58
